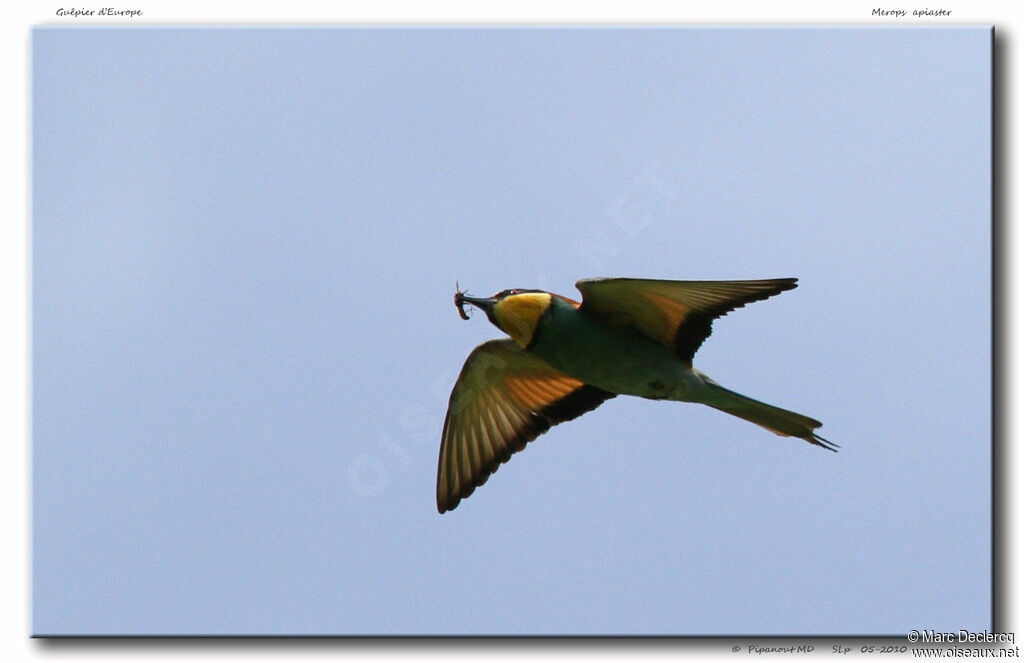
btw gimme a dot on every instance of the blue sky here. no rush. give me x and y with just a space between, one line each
245 243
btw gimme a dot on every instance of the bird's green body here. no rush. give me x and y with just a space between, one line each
616 358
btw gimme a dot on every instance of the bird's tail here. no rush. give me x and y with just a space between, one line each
775 419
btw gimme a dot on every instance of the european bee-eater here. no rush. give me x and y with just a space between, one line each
633 337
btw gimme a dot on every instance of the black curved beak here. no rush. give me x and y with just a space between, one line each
483 303
486 304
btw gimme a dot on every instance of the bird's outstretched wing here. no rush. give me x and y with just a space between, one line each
675 313
503 398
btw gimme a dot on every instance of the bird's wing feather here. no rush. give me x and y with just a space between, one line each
675 313
504 398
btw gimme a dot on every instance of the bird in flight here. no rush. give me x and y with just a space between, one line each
563 358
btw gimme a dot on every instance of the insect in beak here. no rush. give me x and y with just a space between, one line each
460 302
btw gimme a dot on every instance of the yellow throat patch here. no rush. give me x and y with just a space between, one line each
519 314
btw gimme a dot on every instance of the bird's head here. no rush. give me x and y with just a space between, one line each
515 312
